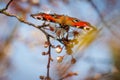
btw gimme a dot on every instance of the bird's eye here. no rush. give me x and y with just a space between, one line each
75 20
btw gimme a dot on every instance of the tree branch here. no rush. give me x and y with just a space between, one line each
49 58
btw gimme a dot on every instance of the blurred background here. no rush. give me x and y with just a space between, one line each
21 45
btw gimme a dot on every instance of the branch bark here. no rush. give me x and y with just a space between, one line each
49 58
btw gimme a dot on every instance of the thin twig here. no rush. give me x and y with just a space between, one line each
49 58
28 23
